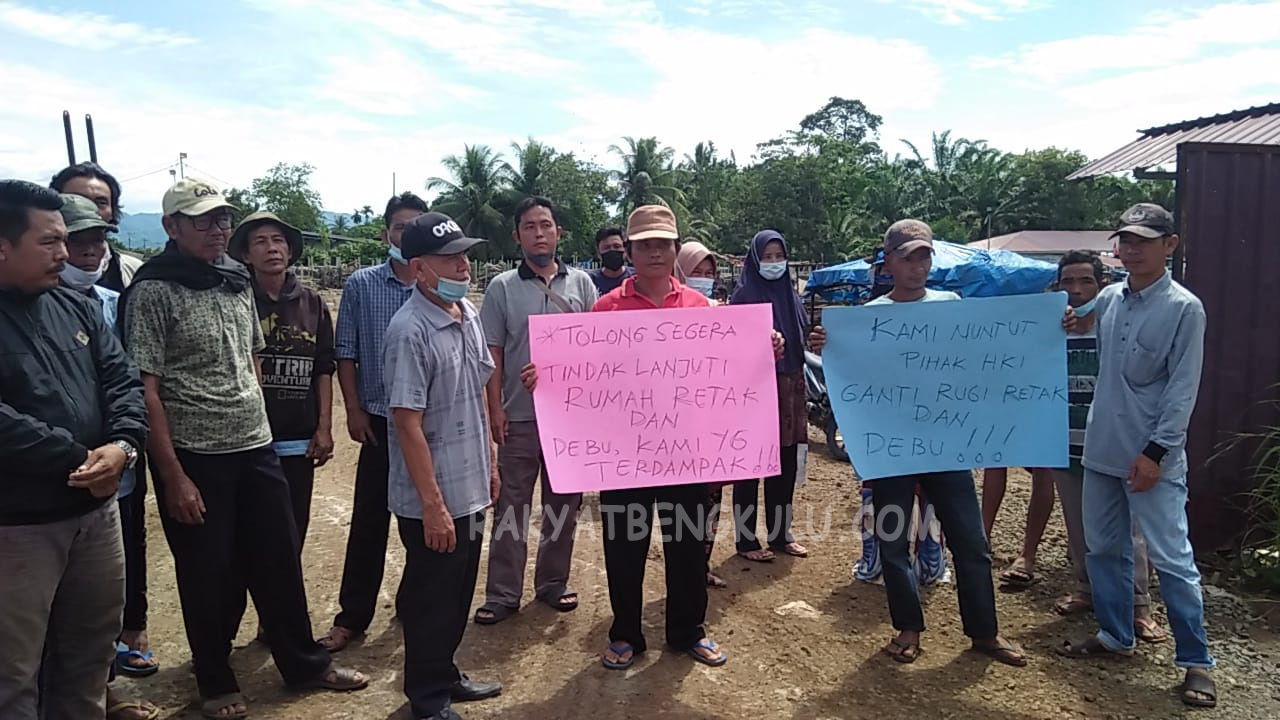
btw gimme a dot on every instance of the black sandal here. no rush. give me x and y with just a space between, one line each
565 601
905 653
497 613
1199 682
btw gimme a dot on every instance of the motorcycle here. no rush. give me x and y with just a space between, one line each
819 405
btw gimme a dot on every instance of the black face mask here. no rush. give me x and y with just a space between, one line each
613 260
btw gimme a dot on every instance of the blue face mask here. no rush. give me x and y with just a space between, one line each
1086 308
773 270
702 285
451 291
393 252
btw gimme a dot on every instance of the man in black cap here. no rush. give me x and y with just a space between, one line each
443 472
1150 353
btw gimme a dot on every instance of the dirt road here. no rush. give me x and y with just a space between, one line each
816 660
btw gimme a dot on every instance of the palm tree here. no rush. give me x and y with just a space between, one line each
528 175
357 217
647 176
470 196
340 224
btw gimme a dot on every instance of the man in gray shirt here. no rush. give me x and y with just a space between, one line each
441 475
541 285
1150 351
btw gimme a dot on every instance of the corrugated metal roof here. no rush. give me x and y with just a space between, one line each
1158 146
1049 241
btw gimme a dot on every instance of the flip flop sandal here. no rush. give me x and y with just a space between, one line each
902 649
1009 654
1148 631
715 581
338 638
142 710
497 613
761 556
558 602
1091 648
788 549
344 680
125 667
1018 578
209 708
619 649
1199 683
710 646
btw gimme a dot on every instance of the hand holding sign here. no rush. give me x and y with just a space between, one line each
930 387
661 397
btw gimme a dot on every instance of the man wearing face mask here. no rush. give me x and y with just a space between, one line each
371 296
443 470
541 285
1082 275
613 261
87 259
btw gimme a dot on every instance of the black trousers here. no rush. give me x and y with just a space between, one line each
682 523
955 501
299 473
367 539
434 603
248 538
778 493
133 528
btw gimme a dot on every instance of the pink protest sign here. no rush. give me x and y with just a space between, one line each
656 397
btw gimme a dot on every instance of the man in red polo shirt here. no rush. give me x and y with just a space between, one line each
652 245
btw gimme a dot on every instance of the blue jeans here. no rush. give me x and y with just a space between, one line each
1109 511
955 502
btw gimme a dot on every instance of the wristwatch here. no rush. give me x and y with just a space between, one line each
130 454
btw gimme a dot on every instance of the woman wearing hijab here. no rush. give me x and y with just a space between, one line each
696 265
766 278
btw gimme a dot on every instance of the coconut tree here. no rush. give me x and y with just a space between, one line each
647 176
472 191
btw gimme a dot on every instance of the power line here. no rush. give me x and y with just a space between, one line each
166 168
210 175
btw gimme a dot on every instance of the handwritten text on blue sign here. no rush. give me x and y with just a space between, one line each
927 387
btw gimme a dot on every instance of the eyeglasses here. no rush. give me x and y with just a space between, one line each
203 223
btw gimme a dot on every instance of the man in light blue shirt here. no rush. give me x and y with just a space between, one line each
1151 347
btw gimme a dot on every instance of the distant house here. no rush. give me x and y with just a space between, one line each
1051 245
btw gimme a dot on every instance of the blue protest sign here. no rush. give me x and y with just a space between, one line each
926 387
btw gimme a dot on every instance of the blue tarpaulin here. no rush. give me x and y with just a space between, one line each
969 271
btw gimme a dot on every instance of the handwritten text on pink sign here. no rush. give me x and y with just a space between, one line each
656 397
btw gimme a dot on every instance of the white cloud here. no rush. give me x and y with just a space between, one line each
87 30
385 81
229 142
1159 41
957 12
742 91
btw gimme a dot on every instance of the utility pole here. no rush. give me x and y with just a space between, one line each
393 184
182 171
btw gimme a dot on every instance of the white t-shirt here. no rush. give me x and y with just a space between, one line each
930 295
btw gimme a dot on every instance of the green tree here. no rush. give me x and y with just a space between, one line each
244 202
286 191
528 175
583 193
472 194
647 176
340 224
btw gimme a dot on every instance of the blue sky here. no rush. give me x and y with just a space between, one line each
364 89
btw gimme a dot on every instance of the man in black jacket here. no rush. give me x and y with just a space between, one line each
71 419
